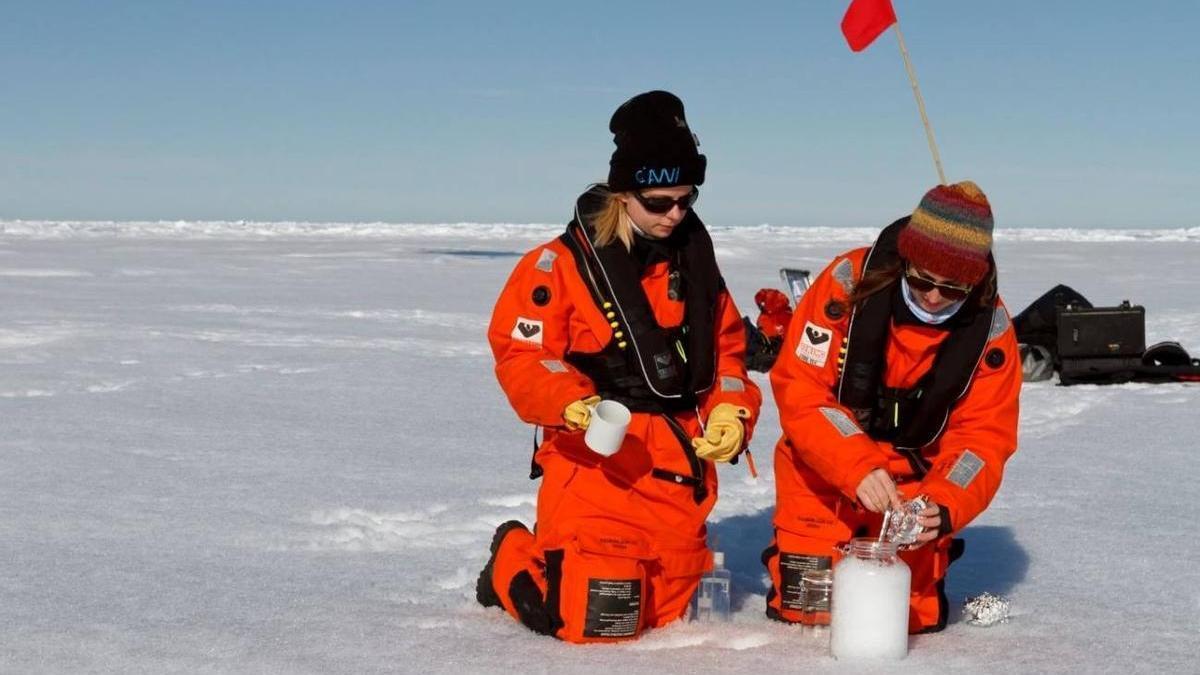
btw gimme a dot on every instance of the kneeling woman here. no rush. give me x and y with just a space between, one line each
898 378
627 305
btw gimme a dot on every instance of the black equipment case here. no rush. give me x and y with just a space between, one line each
1109 370
1101 332
1095 345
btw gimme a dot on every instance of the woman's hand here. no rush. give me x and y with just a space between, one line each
722 439
578 414
877 491
930 519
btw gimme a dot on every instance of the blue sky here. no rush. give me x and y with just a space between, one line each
1071 114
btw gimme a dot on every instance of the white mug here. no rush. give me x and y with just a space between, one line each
606 431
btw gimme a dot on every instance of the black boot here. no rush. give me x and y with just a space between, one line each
485 591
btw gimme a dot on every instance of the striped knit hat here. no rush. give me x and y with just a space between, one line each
950 233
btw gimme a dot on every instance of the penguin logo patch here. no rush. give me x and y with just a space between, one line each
528 330
814 345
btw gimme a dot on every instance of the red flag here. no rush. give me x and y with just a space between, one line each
865 20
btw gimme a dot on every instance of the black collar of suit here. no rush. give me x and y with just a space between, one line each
613 274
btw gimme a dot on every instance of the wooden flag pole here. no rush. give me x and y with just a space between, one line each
912 79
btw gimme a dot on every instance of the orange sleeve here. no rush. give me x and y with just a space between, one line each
529 336
981 432
822 433
732 384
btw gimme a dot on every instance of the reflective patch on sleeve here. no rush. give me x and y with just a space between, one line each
843 273
1000 323
545 261
813 347
527 330
732 384
965 469
841 421
554 365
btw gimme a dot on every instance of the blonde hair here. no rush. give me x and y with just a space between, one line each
612 222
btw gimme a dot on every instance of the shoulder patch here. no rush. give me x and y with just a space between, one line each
813 347
965 469
554 365
843 273
729 383
527 330
841 421
1000 322
545 261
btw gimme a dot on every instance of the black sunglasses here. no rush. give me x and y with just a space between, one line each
665 204
924 284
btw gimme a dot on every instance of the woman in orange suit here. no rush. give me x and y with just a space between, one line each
627 305
898 378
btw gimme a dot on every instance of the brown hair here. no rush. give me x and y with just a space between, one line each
612 222
876 280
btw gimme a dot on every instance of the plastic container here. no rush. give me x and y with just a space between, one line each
869 608
815 589
711 602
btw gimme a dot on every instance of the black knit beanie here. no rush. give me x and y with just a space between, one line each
655 147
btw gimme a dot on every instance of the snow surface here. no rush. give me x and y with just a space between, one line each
257 447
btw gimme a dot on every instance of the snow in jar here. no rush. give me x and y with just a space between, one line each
869 613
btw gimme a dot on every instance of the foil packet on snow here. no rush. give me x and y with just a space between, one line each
986 609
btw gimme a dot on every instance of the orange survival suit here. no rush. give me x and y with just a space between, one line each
858 391
620 541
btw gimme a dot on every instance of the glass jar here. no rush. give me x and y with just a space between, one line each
815 589
869 608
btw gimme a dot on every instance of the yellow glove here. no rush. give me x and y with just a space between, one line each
724 434
578 415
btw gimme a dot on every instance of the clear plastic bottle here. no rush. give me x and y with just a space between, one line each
711 602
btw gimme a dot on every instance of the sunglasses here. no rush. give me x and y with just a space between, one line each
662 205
923 284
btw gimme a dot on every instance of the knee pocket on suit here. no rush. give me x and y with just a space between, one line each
786 560
597 587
